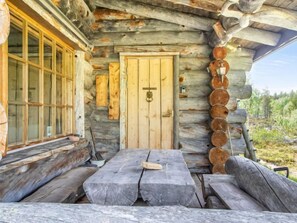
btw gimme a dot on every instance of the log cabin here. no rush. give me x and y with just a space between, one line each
141 74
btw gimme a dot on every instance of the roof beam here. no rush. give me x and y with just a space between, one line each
268 15
191 21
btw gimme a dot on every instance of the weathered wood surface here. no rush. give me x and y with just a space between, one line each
218 169
114 91
173 185
159 13
21 177
237 146
199 195
72 213
66 188
212 202
3 131
219 124
234 198
272 190
4 21
195 160
148 38
138 25
249 143
102 90
116 183
201 104
237 116
215 178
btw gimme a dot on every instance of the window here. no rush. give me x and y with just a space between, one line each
40 84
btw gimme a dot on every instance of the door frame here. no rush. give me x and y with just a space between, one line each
123 94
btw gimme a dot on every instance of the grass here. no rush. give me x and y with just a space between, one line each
273 148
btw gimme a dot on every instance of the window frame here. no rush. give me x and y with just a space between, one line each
29 26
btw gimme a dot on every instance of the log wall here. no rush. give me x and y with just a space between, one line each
132 34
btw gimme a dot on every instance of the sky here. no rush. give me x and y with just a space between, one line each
276 72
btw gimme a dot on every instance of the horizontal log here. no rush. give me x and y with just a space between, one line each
159 13
241 92
197 131
272 190
238 146
32 212
188 117
201 104
200 63
21 178
189 50
100 63
238 116
104 51
148 38
196 160
138 25
194 145
199 77
66 188
109 14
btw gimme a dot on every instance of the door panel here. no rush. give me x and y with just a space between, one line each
132 69
150 120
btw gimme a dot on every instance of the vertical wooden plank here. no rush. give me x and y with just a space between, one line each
123 102
167 102
176 102
114 91
144 64
102 90
132 103
155 105
4 84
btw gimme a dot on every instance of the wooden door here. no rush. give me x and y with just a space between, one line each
149 102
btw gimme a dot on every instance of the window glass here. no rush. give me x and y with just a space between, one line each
59 91
15 40
15 81
69 91
47 121
33 84
33 123
33 48
48 56
59 121
15 124
47 85
59 60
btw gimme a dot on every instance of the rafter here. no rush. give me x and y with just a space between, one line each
270 15
191 21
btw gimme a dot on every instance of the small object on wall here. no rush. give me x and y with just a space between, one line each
114 91
102 90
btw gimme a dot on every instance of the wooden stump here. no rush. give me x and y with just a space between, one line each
219 124
274 191
218 156
3 131
219 138
219 97
219 111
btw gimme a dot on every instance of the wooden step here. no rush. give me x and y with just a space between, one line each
66 188
234 198
212 202
215 178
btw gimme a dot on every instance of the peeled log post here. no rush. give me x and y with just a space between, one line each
4 21
3 131
218 156
274 191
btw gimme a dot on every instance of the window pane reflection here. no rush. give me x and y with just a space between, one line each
15 41
15 80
